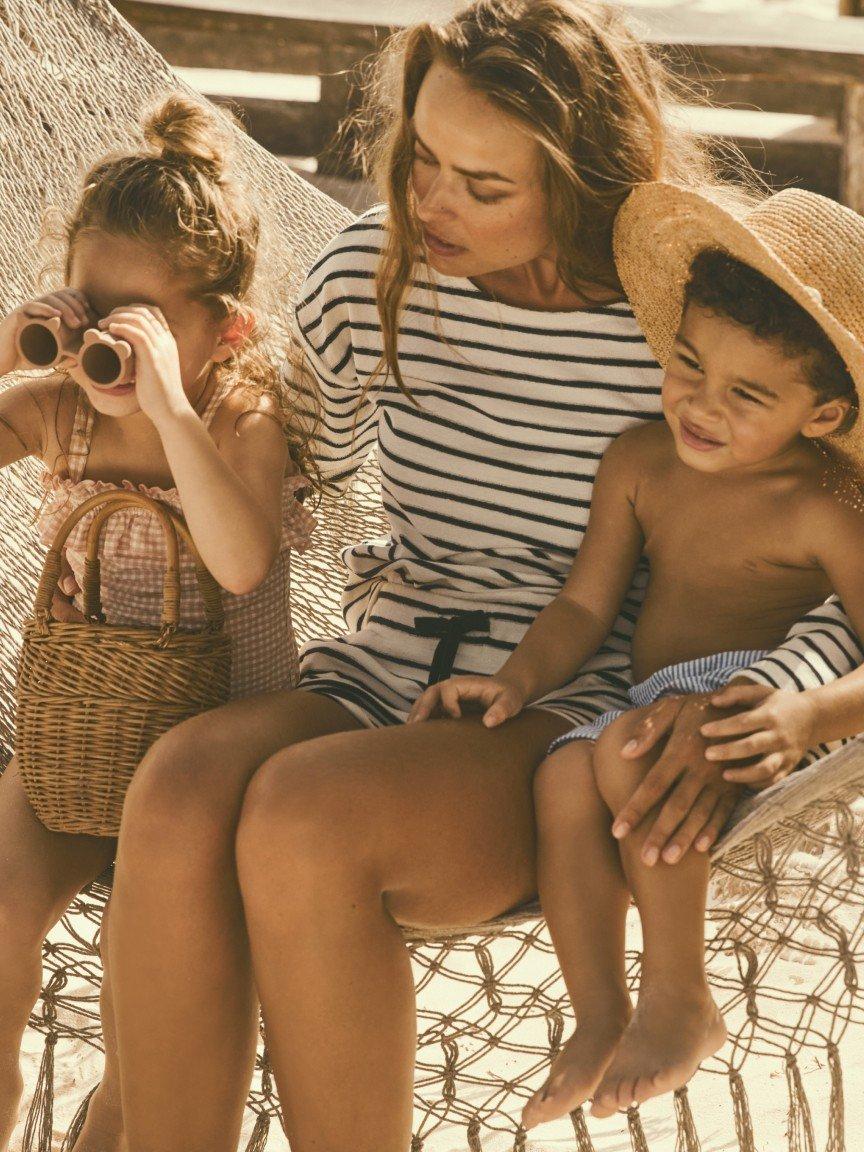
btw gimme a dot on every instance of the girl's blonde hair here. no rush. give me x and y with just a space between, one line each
578 81
179 194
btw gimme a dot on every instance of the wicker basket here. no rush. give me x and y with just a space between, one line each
92 697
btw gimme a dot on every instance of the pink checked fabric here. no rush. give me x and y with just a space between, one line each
264 650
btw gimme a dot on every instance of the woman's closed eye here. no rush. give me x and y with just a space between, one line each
493 199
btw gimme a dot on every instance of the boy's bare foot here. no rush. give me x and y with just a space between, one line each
577 1070
666 1041
11 1091
103 1126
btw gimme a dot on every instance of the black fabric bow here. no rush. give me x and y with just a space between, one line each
451 630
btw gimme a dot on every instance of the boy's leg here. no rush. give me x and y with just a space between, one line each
40 873
676 1024
585 899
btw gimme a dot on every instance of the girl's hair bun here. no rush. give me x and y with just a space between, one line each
185 132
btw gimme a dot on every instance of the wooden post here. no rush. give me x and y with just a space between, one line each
850 8
852 180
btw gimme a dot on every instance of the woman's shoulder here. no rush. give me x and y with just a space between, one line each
352 253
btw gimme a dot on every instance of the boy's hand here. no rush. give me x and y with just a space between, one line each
68 303
158 385
773 733
698 800
500 699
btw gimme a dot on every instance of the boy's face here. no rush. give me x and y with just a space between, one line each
734 401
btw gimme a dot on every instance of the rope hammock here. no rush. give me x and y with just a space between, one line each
785 924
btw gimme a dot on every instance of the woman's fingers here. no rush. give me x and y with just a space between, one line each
716 822
691 826
672 816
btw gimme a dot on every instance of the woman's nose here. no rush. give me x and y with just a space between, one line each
435 200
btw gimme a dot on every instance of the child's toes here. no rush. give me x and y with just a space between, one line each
605 1102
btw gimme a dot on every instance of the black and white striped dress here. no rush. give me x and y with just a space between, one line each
486 481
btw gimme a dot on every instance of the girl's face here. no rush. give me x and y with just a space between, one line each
477 181
115 270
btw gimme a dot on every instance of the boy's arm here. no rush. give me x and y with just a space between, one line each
572 627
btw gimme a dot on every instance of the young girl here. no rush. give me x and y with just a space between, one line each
161 251
736 508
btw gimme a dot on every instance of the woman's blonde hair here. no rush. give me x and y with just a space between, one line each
180 194
578 80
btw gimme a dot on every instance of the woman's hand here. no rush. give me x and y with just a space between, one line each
697 799
69 304
773 733
500 699
158 384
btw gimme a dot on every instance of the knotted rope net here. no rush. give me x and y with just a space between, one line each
785 927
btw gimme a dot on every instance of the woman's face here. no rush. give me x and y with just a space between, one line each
477 181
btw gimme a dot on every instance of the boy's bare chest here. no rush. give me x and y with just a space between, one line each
743 540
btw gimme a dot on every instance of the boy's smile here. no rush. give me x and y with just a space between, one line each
736 401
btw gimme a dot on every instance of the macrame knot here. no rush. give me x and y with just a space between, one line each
764 854
555 1031
484 959
844 953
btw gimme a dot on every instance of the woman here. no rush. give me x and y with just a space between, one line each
280 842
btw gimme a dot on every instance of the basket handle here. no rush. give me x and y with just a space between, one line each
173 526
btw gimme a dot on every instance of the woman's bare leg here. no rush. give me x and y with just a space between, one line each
676 1024
40 873
584 896
342 839
186 1009
103 1126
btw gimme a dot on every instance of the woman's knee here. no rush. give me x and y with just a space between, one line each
171 797
298 815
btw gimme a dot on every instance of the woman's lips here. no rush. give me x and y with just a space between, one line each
439 246
695 438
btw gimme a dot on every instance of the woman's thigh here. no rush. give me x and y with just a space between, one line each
438 817
195 776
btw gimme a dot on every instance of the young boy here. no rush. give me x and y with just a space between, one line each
748 520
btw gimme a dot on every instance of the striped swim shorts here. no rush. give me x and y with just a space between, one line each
706 674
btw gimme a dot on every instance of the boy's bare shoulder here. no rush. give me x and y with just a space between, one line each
648 445
830 510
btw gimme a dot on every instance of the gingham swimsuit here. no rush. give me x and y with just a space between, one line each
132 554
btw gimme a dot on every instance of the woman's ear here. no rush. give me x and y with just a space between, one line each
827 418
236 330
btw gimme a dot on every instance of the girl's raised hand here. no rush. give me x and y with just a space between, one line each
68 303
499 699
158 384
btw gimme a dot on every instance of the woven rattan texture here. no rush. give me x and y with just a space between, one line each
786 922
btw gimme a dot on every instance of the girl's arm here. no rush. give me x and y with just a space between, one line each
23 424
231 493
572 627
231 498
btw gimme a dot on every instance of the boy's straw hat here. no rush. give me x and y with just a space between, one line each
811 247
